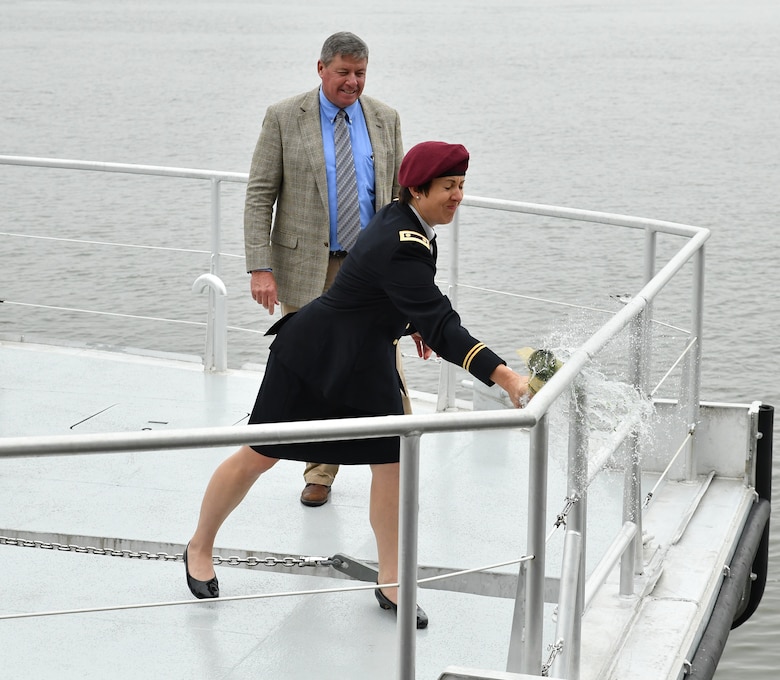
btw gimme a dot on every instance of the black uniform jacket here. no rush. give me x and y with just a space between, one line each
343 343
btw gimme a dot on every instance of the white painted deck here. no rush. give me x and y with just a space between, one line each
472 512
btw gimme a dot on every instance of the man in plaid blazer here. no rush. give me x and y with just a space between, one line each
290 220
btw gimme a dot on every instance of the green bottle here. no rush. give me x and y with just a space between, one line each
542 365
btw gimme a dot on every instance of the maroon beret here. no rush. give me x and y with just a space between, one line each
428 160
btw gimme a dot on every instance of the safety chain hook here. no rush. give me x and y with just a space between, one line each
555 649
567 506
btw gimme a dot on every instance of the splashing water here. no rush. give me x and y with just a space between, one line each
611 408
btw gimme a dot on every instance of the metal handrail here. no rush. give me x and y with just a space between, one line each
126 168
268 433
526 654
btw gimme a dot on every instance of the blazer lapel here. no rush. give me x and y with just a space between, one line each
376 133
311 135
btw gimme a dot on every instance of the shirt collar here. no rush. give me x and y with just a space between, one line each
429 230
331 109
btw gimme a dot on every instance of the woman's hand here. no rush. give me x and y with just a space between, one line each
423 351
516 385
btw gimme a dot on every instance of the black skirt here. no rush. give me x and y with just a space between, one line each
284 397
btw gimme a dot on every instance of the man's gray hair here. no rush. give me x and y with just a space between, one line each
345 44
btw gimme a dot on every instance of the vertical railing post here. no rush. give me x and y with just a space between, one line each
446 393
219 330
217 303
694 374
517 633
577 522
567 603
216 230
643 359
631 563
525 649
407 555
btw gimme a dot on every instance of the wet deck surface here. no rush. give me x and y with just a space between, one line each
473 508
468 504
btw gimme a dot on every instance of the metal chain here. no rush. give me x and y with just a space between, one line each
269 561
555 649
287 561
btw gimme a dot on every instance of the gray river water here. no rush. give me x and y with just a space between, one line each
659 109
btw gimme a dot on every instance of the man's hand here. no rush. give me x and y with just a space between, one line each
263 287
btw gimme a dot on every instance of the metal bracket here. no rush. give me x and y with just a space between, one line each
353 568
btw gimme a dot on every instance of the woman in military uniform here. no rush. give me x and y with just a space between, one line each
335 358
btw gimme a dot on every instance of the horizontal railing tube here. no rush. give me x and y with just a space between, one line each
126 168
277 433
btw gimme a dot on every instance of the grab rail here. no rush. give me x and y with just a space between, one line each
525 644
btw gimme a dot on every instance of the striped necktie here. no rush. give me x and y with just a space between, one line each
348 215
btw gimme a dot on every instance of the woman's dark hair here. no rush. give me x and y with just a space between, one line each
405 195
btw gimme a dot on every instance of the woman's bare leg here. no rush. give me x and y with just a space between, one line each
383 513
228 486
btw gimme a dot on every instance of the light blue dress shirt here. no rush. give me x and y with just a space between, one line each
363 154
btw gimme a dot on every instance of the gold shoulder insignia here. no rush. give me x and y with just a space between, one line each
414 236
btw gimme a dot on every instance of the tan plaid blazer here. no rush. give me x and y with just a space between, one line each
288 188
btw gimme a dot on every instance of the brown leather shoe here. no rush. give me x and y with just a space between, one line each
315 494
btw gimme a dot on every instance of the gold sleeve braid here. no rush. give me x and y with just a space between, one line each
476 349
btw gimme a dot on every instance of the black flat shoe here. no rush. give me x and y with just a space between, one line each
203 590
385 603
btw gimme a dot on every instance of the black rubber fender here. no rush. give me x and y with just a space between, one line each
731 595
764 490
